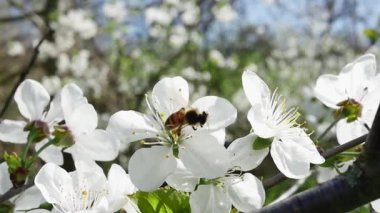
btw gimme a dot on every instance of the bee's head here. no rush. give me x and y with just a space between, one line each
202 118
192 117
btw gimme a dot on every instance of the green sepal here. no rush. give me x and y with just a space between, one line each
261 143
38 131
349 109
175 150
63 137
17 170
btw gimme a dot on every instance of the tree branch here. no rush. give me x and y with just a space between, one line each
358 186
15 191
24 73
19 17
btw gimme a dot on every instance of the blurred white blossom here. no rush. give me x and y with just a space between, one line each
190 13
224 13
78 21
16 48
158 15
115 10
179 36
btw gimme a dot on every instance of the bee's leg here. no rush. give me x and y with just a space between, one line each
193 127
177 130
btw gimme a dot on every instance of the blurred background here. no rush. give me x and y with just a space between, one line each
117 50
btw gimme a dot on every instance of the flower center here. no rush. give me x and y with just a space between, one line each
80 199
277 115
38 129
349 109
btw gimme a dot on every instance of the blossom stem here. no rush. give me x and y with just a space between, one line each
26 149
324 133
50 142
272 181
24 73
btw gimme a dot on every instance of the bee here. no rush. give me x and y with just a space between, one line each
185 116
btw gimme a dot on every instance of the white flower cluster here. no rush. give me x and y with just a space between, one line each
183 144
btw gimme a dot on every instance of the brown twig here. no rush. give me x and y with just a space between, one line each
32 16
21 17
24 73
15 191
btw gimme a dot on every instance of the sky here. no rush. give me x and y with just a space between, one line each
263 12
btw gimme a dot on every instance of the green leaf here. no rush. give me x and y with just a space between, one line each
331 162
6 208
163 200
261 143
371 34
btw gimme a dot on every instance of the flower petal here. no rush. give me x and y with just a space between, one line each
55 112
97 145
52 180
325 174
131 207
130 126
31 98
119 186
355 77
5 181
288 158
182 179
13 131
256 90
84 165
29 199
220 136
71 98
210 199
204 157
243 154
52 154
170 94
376 205
118 173
348 131
149 167
258 120
246 193
301 146
371 99
221 112
83 119
327 91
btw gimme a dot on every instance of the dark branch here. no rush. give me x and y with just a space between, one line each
12 192
328 153
24 73
21 17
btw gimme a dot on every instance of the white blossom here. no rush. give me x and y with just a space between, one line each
85 190
199 150
354 92
292 149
